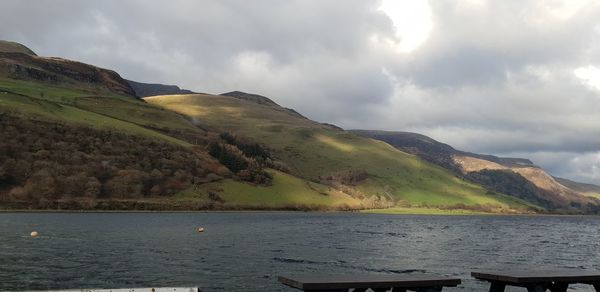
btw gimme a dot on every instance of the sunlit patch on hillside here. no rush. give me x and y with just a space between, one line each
335 143
592 194
286 191
187 107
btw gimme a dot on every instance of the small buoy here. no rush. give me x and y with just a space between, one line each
200 229
34 234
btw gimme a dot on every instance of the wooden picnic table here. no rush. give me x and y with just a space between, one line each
539 281
378 283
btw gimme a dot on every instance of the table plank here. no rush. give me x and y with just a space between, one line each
320 281
535 276
155 289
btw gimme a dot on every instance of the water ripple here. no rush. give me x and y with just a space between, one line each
247 251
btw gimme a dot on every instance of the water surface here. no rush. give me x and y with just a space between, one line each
246 251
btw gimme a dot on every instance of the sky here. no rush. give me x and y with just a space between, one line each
511 77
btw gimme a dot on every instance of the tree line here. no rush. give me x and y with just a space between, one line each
46 160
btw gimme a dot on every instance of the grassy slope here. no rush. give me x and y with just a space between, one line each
77 105
592 194
314 150
286 191
424 211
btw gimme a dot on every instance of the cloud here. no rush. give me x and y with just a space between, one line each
499 77
589 76
411 21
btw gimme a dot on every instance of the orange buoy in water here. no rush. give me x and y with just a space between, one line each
200 229
34 234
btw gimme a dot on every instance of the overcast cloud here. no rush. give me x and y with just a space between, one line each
510 77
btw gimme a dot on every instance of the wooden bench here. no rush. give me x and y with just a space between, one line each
539 281
378 283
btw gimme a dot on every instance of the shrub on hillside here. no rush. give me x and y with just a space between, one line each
349 177
243 157
247 169
229 156
249 148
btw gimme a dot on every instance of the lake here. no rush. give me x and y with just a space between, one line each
246 251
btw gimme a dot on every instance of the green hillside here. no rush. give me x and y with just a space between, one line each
312 151
77 136
74 105
285 192
321 153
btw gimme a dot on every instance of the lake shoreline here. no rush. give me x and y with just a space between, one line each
376 212
164 205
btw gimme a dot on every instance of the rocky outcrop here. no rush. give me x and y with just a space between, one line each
154 89
262 100
251 97
12 47
59 71
556 194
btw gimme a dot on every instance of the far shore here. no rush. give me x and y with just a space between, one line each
390 211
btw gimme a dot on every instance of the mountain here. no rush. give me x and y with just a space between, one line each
517 177
73 136
76 136
590 190
12 47
151 89
373 172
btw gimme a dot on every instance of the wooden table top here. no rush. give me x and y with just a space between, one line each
531 276
321 281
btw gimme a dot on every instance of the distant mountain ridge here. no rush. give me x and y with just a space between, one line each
436 151
585 188
259 99
151 89
251 97
514 176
